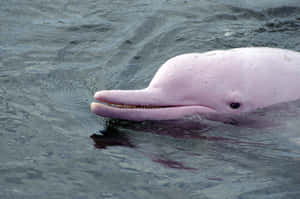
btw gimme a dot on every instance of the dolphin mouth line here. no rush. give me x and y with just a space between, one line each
141 112
131 106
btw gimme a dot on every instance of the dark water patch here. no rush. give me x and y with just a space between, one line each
172 164
280 26
95 28
193 13
238 13
263 14
284 11
221 17
246 13
176 129
111 137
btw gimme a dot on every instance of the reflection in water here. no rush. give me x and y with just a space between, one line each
187 129
113 137
110 136
172 164
116 132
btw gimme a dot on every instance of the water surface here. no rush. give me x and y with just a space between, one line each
55 54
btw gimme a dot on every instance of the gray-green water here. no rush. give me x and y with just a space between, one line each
55 54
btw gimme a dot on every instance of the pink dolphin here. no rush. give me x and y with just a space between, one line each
212 83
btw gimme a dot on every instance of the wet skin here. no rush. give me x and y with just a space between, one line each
212 84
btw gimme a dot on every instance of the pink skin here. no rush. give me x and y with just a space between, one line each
207 83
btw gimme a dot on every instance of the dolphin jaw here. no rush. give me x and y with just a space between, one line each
134 106
143 105
147 112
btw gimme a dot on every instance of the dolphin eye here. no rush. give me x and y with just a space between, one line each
235 105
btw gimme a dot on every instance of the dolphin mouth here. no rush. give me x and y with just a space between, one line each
141 105
132 106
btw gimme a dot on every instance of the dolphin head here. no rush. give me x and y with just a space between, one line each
214 83
185 85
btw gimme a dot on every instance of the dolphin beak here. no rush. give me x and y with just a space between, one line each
139 105
143 97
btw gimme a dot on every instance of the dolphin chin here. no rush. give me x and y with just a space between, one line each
140 105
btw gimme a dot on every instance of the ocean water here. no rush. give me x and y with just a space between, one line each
55 54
